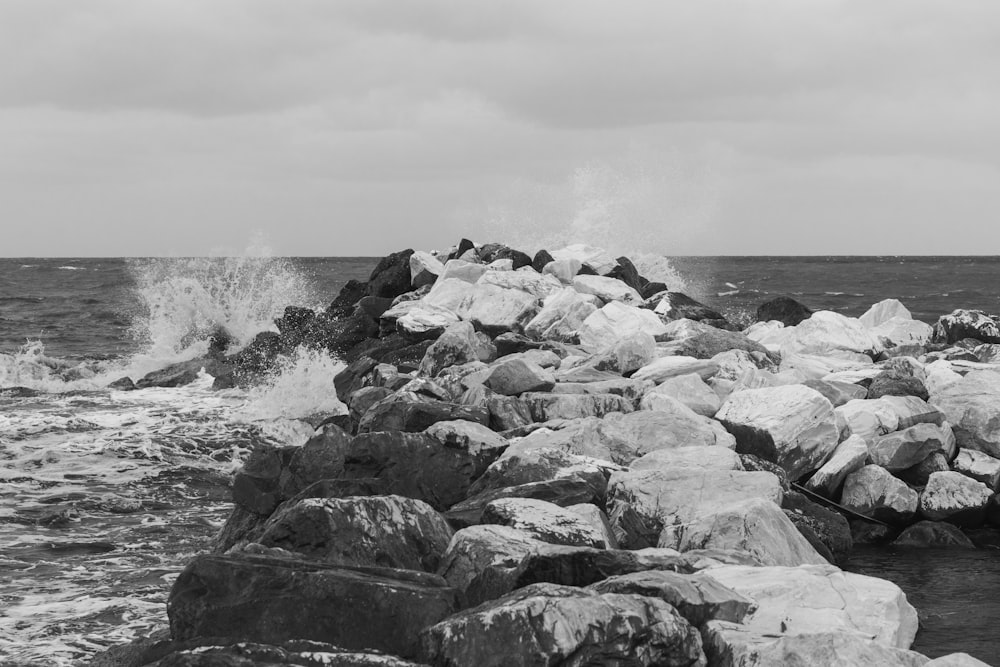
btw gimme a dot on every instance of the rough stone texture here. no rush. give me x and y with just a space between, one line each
971 406
596 517
272 600
626 355
561 316
872 418
784 309
207 652
917 475
793 426
979 466
424 268
544 521
827 531
424 321
822 598
829 333
322 457
755 526
384 531
698 597
667 367
475 549
883 311
599 260
468 436
563 491
459 269
908 447
894 383
849 456
542 464
676 305
496 310
730 645
873 491
933 534
516 376
689 389
954 497
603 327
961 324
642 502
671 425
703 341
530 281
543 406
607 289
457 345
716 458
546 624
406 411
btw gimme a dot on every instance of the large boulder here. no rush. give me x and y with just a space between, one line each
544 521
676 306
527 280
827 531
703 341
664 368
716 458
689 389
979 466
755 526
274 599
849 456
391 276
830 333
971 406
873 491
603 327
906 448
385 531
496 310
405 411
543 406
456 345
607 289
561 316
954 497
424 268
542 464
784 309
894 383
961 324
547 624
641 503
512 377
460 269
793 426
822 598
883 311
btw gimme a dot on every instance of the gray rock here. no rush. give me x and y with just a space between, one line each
516 376
933 534
873 491
544 521
906 448
954 497
979 466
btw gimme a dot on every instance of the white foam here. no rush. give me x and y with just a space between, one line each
302 386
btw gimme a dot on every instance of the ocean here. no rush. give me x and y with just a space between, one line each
105 495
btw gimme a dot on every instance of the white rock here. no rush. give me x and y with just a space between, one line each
561 315
564 270
772 335
950 494
907 447
665 368
972 406
629 353
496 309
793 426
425 318
603 327
689 389
899 331
469 436
596 258
822 598
608 289
459 269
753 526
672 425
956 660
501 265
873 491
883 311
715 458
544 521
816 367
424 268
449 293
849 456
979 466
938 375
535 284
734 363
827 332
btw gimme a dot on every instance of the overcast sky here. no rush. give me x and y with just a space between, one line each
165 127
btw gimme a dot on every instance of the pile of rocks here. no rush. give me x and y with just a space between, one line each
551 460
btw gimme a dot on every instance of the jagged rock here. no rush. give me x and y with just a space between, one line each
626 272
561 316
954 497
363 399
896 384
385 531
626 355
468 436
849 456
716 458
962 324
349 295
452 292
184 372
603 327
672 424
829 333
793 426
544 521
540 465
873 491
475 549
322 457
564 270
496 310
491 252
902 449
689 389
755 526
596 258
506 412
541 258
550 624
731 645
675 306
255 486
536 284
698 597
405 411
822 598
971 406
703 341
784 309
917 475
902 332
665 368
391 276
424 268
933 534
457 345
641 503
545 407
425 321
979 466
607 289
883 311
827 531
272 600
872 418
516 376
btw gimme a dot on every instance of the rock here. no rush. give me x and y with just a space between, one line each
641 503
541 258
391 276
784 309
908 447
406 411
962 324
492 252
183 372
671 425
322 457
607 289
755 526
536 284
255 486
793 426
563 491
550 624
902 332
675 306
971 406
496 310
459 269
424 268
561 316
468 436
702 341
598 520
628 274
564 270
919 474
866 532
849 456
731 645
628 354
349 295
873 491
475 549
822 598
207 652
602 328
665 368
956 660
385 531
544 521
363 399
828 333
544 406
827 531
425 321
457 345
883 311
516 376
596 258
954 497
542 464
873 418
933 534
246 596
688 389
122 384
451 293
896 384
979 466
715 458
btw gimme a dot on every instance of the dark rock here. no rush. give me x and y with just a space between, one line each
340 421
894 383
628 274
962 324
558 625
933 534
518 258
703 341
294 320
676 306
754 463
586 270
564 491
349 295
541 258
391 276
651 289
259 356
993 511
919 474
374 306
408 412
184 372
355 376
219 341
516 376
512 343
786 310
322 457
342 488
542 465
256 485
242 525
819 525
395 349
341 335
272 600
464 246
868 532
363 399
506 412
122 384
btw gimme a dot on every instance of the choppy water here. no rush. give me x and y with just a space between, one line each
105 495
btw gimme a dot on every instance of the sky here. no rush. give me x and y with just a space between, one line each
359 127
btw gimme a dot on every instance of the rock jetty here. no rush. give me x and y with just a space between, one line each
551 460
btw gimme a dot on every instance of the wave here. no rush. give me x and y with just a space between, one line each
301 386
71 268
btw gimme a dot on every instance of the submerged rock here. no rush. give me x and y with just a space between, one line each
933 534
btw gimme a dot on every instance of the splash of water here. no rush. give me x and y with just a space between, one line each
301 386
